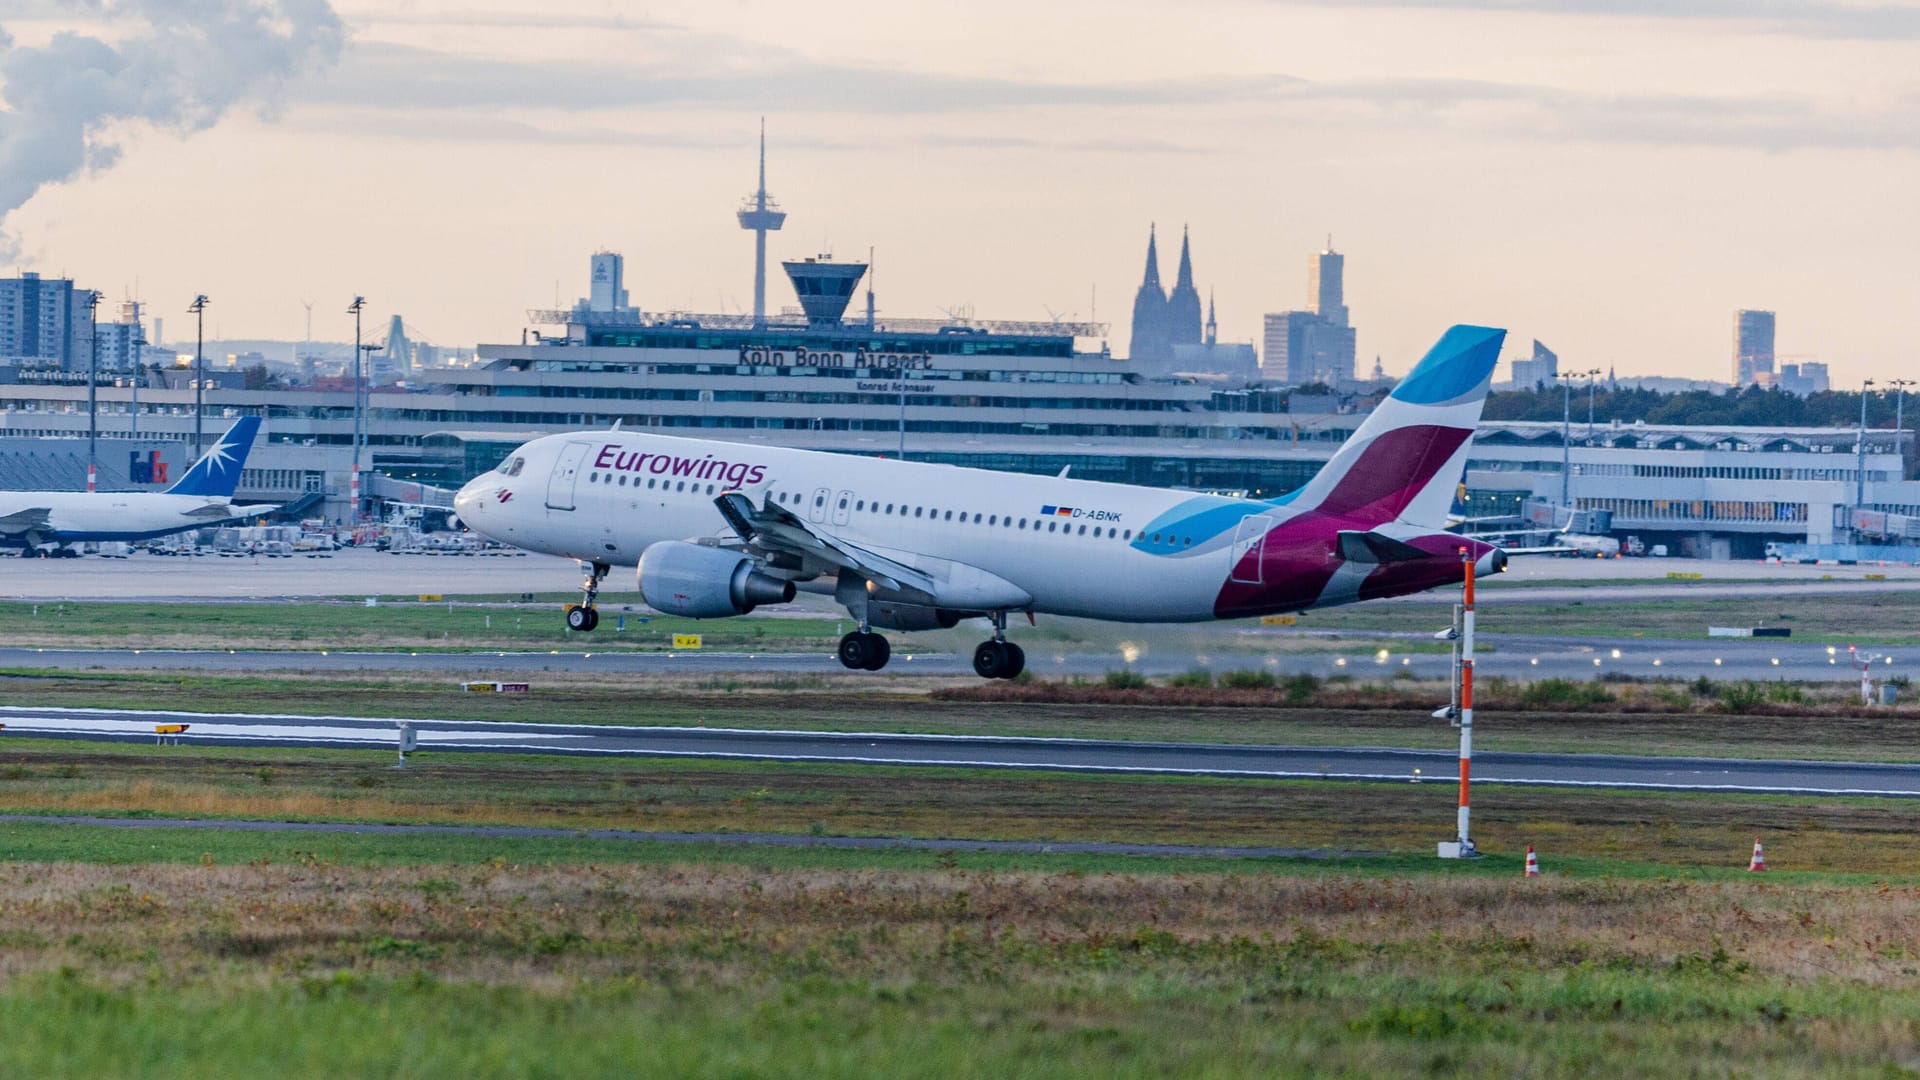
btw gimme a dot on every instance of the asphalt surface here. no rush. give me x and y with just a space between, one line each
1514 656
955 751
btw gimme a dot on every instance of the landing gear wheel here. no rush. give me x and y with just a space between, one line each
864 651
879 651
582 619
991 660
1016 660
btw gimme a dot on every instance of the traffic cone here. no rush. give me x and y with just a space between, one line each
1759 862
1533 864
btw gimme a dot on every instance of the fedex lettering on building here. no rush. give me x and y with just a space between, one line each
735 473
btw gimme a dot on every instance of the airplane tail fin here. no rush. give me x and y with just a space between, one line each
1404 461
217 473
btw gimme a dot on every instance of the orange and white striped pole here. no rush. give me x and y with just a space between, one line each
1466 701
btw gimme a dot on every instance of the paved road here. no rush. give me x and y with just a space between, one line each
955 751
1151 652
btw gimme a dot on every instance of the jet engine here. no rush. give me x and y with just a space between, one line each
706 582
891 616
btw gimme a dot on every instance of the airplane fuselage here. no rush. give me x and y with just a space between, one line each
78 516
1072 547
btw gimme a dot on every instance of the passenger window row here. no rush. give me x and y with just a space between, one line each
793 498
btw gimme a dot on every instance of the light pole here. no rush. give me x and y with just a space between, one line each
354 309
363 399
1899 418
93 387
1566 429
1860 452
199 312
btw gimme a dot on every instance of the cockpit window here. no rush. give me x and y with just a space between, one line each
513 467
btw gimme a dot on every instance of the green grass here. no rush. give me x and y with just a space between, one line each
696 967
349 625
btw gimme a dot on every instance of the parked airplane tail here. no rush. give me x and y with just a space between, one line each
217 473
1403 463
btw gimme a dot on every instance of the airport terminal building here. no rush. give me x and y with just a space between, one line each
1026 397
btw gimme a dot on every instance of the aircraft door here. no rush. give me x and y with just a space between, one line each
1248 539
817 506
842 506
566 471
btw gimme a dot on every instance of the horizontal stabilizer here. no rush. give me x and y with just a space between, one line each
1372 547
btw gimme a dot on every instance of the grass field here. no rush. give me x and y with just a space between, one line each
320 968
1644 951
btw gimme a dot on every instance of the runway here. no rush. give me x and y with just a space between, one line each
354 573
1511 656
959 751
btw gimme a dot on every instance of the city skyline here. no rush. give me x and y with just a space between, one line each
1614 181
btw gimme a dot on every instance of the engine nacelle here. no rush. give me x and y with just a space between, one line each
705 582
888 615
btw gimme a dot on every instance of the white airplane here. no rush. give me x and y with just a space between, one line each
718 528
203 497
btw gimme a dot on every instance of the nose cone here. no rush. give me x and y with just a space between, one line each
470 503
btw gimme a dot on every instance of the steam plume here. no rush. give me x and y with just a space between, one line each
181 66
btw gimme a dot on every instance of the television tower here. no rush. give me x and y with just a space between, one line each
761 215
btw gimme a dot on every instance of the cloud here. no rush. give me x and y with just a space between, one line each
731 75
1805 18
181 66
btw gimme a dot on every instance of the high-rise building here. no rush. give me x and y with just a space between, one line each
1752 347
44 322
1327 286
1315 346
1540 369
608 289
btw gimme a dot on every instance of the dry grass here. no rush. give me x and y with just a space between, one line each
732 925
1856 836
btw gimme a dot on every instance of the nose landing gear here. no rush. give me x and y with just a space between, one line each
584 616
999 658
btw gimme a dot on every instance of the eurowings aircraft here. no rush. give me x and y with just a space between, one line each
718 528
203 497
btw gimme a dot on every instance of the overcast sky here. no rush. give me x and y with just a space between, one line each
1614 178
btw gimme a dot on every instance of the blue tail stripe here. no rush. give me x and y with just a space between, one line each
217 473
1457 364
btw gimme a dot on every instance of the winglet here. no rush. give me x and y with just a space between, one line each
217 473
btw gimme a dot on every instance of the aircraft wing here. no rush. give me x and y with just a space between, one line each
775 530
22 522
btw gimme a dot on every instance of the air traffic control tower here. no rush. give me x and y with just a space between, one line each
761 215
824 287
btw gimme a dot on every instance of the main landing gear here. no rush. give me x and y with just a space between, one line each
864 650
999 658
583 616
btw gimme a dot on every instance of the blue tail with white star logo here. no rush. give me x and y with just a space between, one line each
217 473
